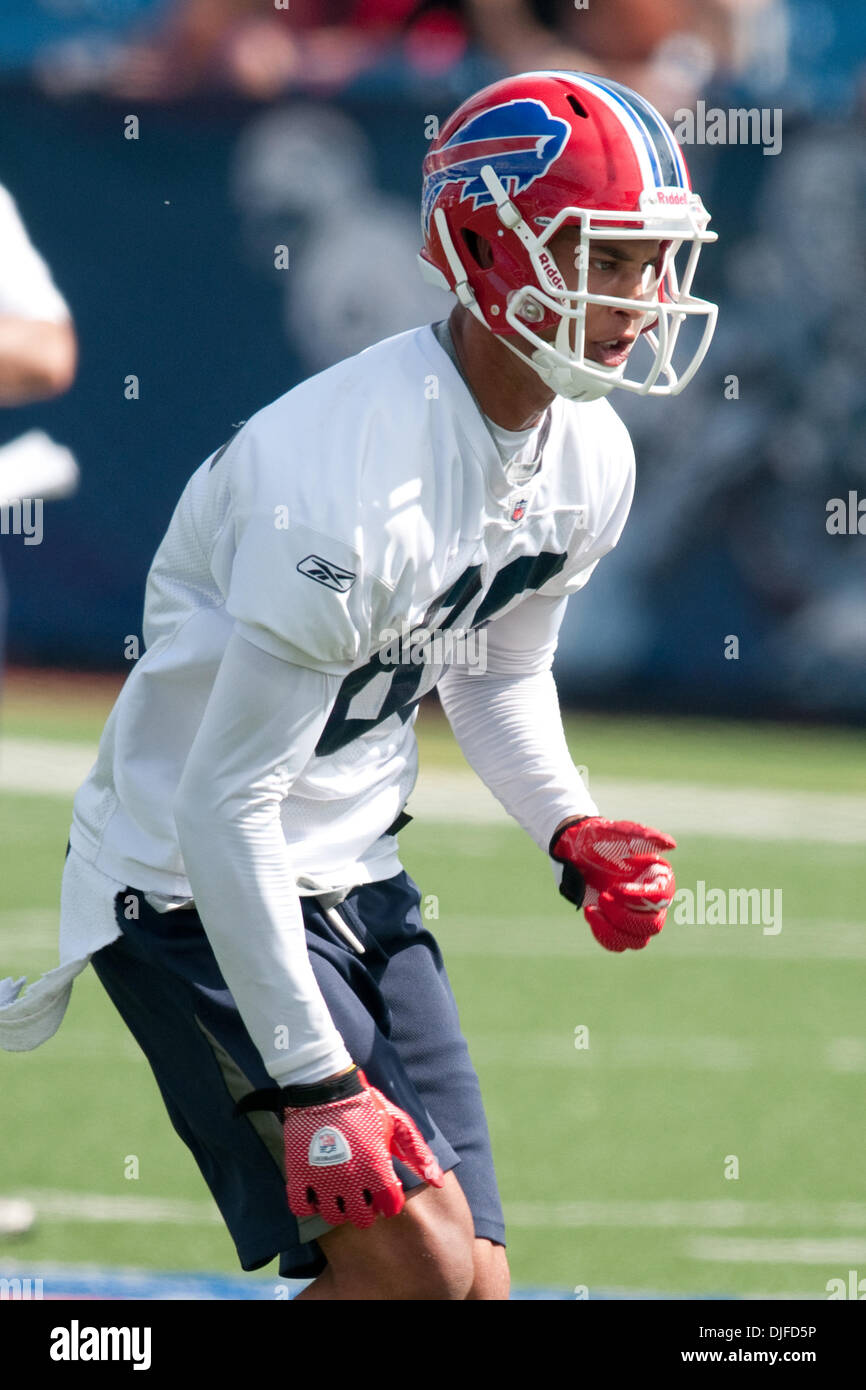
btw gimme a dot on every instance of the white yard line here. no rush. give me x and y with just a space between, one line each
619 1052
53 1206
558 937
676 1213
673 1214
811 1250
45 767
681 808
691 1052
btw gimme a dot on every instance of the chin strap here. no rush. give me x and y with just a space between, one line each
462 287
567 381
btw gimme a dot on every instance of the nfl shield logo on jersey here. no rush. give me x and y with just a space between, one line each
519 509
328 1146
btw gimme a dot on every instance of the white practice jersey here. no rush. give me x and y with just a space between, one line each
27 290
367 502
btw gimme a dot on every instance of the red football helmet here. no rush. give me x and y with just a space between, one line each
530 155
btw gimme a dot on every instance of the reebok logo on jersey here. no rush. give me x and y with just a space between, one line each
328 1146
327 573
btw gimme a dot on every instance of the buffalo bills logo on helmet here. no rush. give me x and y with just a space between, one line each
520 139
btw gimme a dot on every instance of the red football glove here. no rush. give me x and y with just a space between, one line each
613 870
338 1151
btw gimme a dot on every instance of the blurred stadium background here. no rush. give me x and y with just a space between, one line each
260 126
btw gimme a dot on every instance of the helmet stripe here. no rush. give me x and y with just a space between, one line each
668 161
659 129
629 111
660 157
642 146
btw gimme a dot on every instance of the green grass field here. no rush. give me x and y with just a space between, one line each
718 1048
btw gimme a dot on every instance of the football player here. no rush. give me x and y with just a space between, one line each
38 356
234 866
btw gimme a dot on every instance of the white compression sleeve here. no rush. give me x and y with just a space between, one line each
508 723
259 730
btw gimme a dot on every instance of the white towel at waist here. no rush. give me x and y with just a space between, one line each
87 923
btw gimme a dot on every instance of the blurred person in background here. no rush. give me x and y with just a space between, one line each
37 338
312 45
669 49
38 356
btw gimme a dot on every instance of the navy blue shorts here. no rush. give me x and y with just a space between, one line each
394 1009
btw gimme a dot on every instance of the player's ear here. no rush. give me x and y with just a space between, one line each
479 249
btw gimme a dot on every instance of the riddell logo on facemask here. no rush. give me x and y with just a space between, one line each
678 197
551 271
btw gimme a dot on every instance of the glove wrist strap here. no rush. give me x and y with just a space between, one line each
557 834
280 1098
572 884
323 1092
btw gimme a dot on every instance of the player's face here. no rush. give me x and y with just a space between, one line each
622 269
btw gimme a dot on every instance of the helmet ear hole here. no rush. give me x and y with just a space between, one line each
479 248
